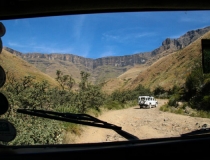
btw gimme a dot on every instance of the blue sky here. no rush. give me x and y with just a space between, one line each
100 35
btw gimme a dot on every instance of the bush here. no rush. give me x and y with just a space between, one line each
158 91
205 102
164 108
28 94
113 105
173 100
35 131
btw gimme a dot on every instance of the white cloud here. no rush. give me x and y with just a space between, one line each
126 35
44 48
52 49
15 44
78 26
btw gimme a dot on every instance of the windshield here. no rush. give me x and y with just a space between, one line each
99 65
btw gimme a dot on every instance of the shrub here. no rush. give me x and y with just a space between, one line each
113 105
34 130
173 100
26 93
205 102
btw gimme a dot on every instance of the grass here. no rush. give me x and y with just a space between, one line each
112 85
94 112
20 68
114 105
165 108
203 114
72 128
107 72
182 111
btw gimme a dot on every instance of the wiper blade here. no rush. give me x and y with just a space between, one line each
197 132
83 119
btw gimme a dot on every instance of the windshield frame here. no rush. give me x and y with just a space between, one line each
42 13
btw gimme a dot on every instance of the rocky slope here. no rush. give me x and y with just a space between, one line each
181 42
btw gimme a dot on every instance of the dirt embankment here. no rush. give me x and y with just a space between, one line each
142 123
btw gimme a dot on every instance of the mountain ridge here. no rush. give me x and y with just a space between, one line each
105 68
172 69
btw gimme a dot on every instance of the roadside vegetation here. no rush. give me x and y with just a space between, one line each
193 98
27 93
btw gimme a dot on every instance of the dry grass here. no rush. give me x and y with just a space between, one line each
133 72
122 80
112 84
20 68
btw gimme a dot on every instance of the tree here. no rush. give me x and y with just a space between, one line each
159 90
194 81
84 80
89 96
64 80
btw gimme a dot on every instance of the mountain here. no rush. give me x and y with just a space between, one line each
181 42
169 70
72 64
170 45
19 68
105 68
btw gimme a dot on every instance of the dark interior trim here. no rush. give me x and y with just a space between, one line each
14 9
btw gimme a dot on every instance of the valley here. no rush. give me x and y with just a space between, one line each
165 66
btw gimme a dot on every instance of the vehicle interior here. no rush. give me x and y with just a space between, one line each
189 146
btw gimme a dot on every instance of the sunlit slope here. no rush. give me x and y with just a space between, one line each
166 72
133 72
170 70
121 81
20 68
112 85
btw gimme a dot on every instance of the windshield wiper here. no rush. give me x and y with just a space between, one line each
203 131
83 119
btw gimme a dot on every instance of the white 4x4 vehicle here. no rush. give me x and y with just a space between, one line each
147 101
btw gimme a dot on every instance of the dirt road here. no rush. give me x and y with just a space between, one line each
142 123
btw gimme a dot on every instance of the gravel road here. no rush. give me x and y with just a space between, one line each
142 123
